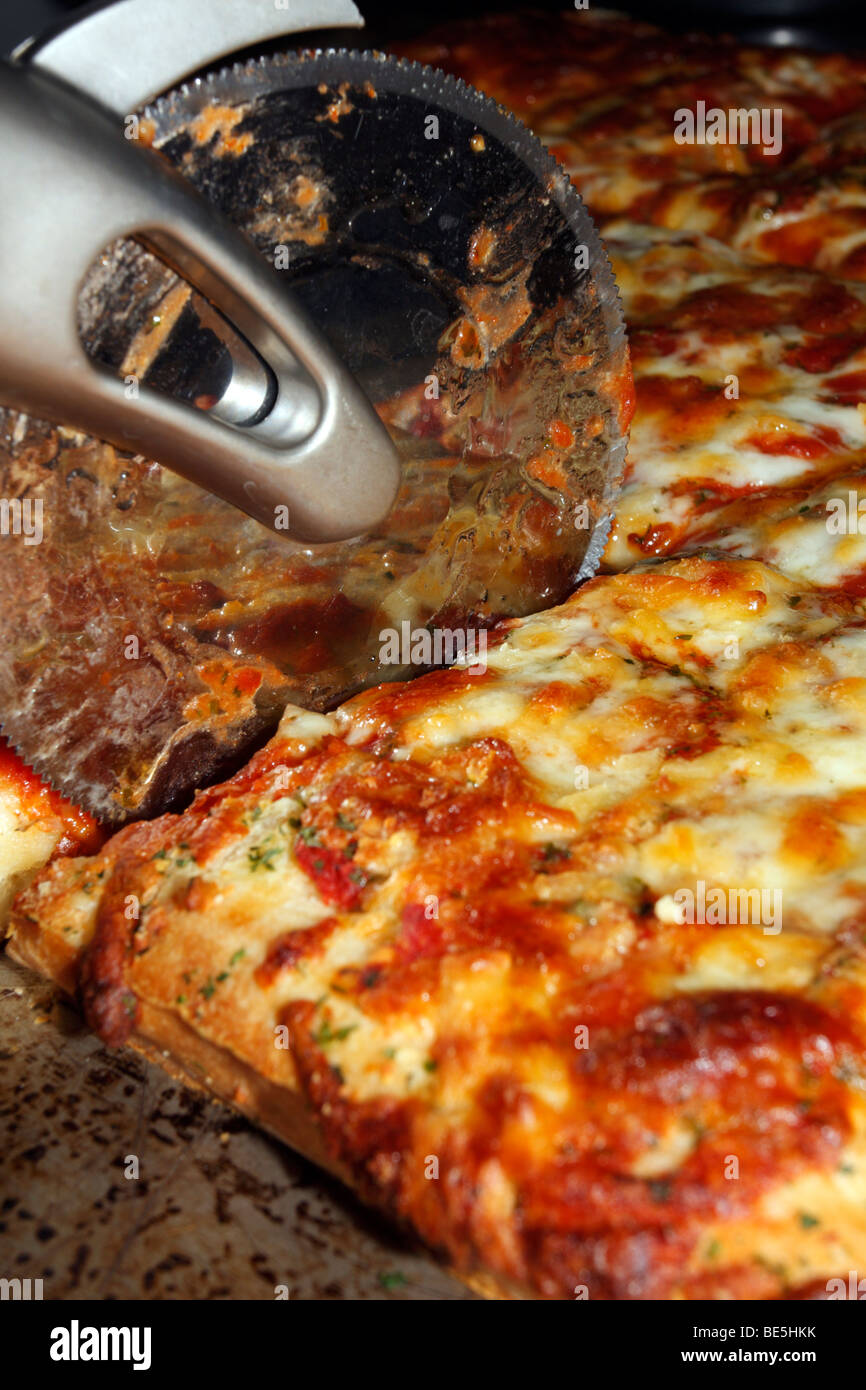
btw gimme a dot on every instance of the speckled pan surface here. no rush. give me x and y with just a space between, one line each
218 1211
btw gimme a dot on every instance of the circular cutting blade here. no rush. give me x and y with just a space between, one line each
156 633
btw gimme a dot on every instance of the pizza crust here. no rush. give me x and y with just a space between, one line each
169 1043
293 900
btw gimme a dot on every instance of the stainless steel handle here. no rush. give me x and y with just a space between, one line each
123 53
320 465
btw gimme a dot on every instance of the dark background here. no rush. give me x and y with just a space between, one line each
839 24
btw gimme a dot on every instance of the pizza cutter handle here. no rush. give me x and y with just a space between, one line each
314 462
123 53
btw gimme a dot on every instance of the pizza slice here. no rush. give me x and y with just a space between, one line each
561 961
750 424
603 88
810 213
35 824
614 109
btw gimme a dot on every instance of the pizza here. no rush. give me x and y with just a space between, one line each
450 915
606 105
750 382
560 958
175 626
35 823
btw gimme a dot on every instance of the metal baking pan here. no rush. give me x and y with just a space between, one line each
217 1211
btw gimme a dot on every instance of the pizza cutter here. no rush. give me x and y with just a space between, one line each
289 436
292 254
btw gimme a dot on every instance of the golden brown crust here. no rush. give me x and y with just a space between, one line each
167 1040
447 913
